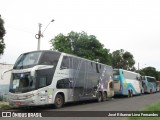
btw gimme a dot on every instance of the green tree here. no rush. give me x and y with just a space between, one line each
158 76
124 60
82 45
149 71
2 33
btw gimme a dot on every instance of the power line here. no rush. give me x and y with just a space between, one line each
20 29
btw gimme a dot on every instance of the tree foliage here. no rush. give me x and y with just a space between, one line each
123 60
2 33
82 45
150 71
87 46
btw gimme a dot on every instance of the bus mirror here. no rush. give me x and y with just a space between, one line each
2 74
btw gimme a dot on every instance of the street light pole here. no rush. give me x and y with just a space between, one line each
39 35
48 25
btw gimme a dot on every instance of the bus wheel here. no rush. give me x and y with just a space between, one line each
150 90
141 92
129 93
104 96
99 97
59 101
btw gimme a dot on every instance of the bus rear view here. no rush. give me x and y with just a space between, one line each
150 84
127 83
117 82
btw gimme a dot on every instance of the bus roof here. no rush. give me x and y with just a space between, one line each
67 55
149 77
127 71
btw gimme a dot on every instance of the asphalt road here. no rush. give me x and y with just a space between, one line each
135 103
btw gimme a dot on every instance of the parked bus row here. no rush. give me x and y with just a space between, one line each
51 77
130 83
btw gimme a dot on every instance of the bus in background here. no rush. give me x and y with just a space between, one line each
158 86
51 77
127 83
150 84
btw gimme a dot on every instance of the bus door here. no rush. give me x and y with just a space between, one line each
43 95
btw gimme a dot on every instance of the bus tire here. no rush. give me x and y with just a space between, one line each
129 93
141 92
59 101
104 96
150 90
99 97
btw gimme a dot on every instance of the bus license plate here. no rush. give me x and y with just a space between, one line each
18 103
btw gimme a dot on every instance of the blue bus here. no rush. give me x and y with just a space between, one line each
150 84
127 83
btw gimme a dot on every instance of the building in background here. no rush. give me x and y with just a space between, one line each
4 80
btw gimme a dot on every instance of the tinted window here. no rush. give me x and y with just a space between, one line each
116 72
42 82
49 58
65 62
75 63
44 77
97 68
64 83
151 79
27 60
22 82
129 75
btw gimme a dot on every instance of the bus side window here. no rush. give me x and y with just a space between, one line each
75 62
97 68
65 63
49 59
64 83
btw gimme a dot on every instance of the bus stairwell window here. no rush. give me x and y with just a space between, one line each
42 82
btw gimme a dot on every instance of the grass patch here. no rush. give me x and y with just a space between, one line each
4 106
153 108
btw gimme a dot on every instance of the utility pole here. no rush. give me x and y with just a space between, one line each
38 36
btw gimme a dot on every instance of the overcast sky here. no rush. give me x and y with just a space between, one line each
132 25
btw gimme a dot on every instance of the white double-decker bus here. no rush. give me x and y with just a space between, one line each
51 77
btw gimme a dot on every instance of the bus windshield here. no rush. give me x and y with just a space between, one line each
151 79
27 60
116 75
22 82
115 72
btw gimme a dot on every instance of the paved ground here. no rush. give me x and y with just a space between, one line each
118 104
